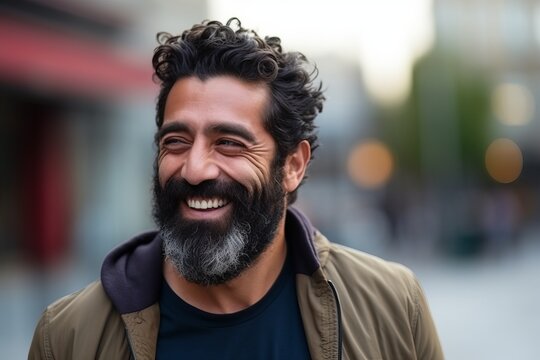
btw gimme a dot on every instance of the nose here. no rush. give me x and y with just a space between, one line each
199 165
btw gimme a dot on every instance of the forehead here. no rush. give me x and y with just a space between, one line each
217 99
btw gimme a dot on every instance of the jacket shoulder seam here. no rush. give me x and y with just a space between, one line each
46 340
416 303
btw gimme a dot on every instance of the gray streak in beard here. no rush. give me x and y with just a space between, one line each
214 255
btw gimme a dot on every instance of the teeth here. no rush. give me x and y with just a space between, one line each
206 204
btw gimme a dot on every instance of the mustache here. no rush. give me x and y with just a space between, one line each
180 189
175 190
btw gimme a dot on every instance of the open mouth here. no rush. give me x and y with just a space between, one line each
205 204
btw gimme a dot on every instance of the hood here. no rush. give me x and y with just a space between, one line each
131 273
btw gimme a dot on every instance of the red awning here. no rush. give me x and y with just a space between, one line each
46 59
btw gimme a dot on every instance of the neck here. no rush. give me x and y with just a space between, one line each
239 293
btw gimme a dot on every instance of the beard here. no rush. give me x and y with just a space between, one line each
213 252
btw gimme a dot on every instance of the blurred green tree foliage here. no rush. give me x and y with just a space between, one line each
441 131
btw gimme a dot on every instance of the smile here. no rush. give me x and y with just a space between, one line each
203 204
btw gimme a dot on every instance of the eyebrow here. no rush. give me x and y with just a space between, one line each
232 129
172 127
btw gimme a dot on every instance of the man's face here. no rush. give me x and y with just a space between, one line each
218 195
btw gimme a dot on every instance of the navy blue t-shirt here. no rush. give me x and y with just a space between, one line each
270 329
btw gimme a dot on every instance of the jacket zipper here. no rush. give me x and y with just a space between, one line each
338 305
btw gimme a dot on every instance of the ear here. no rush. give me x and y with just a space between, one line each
295 166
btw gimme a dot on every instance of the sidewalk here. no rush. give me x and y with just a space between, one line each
489 308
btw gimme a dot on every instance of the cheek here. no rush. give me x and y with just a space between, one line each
251 175
253 166
166 169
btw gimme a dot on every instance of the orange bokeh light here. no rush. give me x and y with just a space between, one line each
504 160
370 164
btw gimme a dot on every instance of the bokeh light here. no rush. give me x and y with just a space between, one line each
513 104
504 160
370 164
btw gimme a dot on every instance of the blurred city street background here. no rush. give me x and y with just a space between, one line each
429 156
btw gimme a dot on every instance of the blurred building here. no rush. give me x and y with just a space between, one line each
502 38
59 65
76 90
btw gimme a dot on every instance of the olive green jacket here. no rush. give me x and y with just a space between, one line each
353 306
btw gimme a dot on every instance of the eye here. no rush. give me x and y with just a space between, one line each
174 142
230 147
229 142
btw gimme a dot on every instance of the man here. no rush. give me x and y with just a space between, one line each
234 272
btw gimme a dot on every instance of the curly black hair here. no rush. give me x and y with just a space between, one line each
212 49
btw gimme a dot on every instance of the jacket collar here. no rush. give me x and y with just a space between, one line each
131 273
299 234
